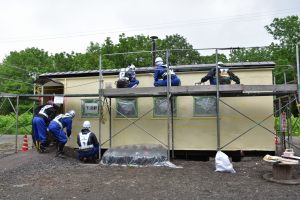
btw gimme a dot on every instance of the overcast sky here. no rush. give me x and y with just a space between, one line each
70 25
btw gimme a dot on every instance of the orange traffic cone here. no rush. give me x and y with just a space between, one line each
25 144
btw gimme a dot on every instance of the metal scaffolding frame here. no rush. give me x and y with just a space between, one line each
169 103
15 109
169 95
169 99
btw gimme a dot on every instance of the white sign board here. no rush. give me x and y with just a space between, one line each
58 100
91 108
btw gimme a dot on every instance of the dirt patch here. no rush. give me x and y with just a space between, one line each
31 175
6 146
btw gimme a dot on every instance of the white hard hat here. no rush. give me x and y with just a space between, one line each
220 63
158 61
71 113
131 67
86 124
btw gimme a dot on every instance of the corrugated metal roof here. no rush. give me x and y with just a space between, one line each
141 70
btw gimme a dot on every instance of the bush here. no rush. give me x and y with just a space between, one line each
8 124
295 125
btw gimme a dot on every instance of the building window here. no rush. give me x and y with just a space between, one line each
205 106
161 107
89 107
127 107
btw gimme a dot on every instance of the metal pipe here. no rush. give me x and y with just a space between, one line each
217 103
42 99
289 122
17 123
100 102
168 100
153 49
132 52
110 126
172 127
284 77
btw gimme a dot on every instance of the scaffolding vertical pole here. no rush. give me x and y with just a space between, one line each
284 77
34 92
168 100
100 102
42 99
298 70
110 119
289 120
17 123
172 128
217 103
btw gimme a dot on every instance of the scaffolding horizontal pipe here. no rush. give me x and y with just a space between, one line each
225 90
269 90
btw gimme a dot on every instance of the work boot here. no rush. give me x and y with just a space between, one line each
42 148
60 155
60 151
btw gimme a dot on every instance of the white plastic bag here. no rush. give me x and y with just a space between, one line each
222 163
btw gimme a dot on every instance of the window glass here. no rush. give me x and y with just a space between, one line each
127 107
205 106
161 107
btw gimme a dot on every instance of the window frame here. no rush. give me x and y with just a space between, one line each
204 114
84 114
118 115
155 115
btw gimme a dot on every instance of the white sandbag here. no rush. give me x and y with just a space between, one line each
223 163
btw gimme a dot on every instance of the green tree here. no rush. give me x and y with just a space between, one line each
181 52
285 30
133 44
286 33
250 55
141 43
211 59
19 68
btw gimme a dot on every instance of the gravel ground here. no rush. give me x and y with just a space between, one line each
30 175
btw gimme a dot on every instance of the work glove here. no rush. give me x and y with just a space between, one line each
199 83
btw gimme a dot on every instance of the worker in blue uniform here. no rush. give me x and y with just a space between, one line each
88 144
42 117
160 75
127 78
56 127
130 73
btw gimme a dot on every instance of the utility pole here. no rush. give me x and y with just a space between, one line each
153 49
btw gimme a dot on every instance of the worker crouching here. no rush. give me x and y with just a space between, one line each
225 76
56 127
88 144
160 75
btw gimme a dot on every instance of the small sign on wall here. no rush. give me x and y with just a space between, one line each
58 100
90 108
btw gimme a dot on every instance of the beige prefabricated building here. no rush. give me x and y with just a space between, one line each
191 132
